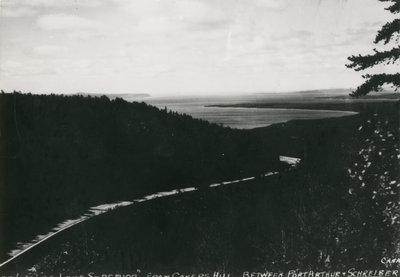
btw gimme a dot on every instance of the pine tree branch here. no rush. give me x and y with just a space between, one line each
395 8
387 31
362 62
375 83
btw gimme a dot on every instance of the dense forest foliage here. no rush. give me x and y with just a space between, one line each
63 154
338 209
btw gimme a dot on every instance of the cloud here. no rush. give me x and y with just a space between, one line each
183 44
51 3
23 8
272 4
199 14
15 69
50 50
84 35
53 22
17 11
196 15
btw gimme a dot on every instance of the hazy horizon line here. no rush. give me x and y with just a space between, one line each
150 94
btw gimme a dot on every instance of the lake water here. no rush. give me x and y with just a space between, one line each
240 118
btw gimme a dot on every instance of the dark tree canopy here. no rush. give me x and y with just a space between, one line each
389 32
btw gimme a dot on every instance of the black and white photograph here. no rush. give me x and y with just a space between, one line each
199 138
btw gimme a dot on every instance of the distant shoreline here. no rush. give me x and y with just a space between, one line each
355 106
281 108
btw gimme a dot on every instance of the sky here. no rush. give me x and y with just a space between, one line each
184 47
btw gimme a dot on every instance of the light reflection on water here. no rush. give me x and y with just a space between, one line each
235 117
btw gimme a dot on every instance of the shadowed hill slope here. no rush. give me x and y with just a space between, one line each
62 154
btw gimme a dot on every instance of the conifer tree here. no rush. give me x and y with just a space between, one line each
389 32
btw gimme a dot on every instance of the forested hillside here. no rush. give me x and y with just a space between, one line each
337 210
62 154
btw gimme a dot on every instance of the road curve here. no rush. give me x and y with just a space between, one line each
104 208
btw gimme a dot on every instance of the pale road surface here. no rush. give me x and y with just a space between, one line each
104 208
